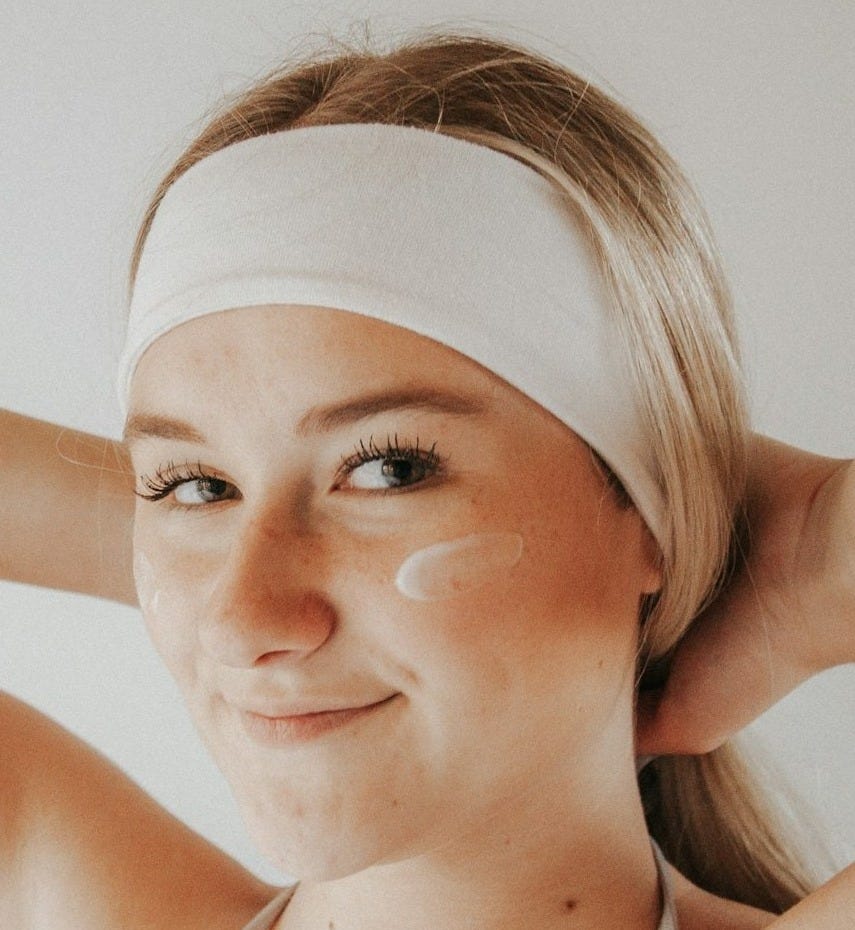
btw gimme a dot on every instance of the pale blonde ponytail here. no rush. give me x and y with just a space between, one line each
671 304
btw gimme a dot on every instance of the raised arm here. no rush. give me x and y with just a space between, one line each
80 843
788 613
66 509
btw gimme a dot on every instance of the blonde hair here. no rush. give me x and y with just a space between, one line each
672 305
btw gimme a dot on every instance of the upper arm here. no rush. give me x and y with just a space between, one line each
66 509
81 845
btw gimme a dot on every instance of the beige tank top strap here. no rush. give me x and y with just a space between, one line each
669 912
267 917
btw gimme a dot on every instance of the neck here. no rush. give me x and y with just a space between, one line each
546 862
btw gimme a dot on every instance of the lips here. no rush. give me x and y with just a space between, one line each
300 727
304 707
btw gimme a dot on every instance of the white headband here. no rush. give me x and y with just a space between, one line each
449 239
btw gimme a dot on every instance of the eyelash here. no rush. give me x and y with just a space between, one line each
405 451
165 480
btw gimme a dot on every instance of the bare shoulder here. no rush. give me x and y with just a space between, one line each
83 846
699 910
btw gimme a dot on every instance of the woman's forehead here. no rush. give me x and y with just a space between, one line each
302 350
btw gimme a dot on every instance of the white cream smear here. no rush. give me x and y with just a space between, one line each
147 593
447 569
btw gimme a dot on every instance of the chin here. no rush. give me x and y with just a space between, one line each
319 856
312 844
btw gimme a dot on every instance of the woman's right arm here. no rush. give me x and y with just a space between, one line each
66 509
81 844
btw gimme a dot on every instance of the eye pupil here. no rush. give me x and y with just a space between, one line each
399 469
201 491
212 486
395 467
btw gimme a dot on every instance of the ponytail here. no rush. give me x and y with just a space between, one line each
713 824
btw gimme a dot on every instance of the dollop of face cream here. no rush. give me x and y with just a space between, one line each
447 569
147 594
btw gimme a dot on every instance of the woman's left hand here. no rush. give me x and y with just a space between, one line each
787 613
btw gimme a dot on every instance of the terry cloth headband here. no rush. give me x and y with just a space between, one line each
455 241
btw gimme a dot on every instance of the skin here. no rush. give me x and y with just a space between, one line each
800 569
439 810
787 614
72 489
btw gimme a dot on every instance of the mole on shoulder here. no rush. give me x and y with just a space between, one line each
570 904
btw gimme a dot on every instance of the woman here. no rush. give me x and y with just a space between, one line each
411 565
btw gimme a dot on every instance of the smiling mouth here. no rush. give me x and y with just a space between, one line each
304 727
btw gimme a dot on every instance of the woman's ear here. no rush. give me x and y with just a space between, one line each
651 556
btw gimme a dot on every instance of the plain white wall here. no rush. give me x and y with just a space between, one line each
754 98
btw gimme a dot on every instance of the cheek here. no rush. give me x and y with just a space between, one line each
511 634
453 619
580 556
167 600
447 570
496 608
546 611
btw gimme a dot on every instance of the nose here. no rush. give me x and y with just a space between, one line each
268 602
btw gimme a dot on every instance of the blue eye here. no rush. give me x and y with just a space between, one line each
398 465
200 491
193 486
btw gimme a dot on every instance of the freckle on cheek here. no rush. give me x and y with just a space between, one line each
448 569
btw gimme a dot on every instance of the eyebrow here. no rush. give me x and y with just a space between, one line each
324 419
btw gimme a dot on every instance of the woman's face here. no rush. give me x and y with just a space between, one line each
333 447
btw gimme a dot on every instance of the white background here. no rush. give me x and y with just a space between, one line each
754 98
